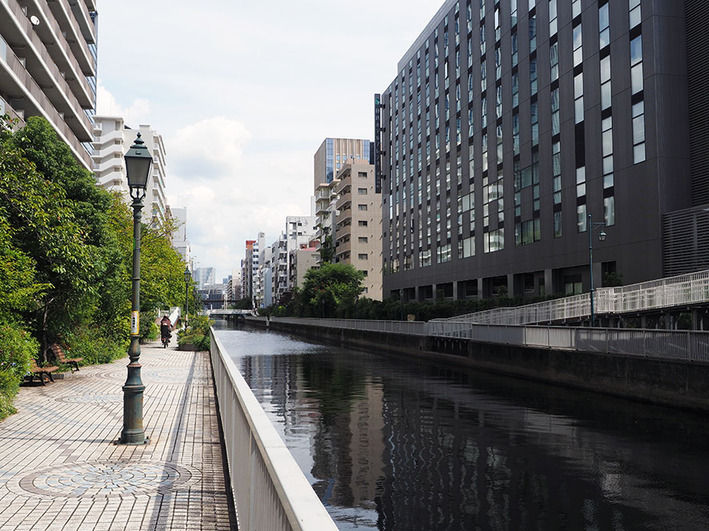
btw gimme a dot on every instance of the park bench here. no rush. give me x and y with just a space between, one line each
40 372
60 356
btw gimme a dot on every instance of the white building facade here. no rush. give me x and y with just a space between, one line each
112 139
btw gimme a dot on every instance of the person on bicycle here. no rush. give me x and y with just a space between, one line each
165 329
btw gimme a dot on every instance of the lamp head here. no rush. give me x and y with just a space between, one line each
602 236
138 161
187 274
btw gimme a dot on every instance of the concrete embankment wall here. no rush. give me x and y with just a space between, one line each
665 382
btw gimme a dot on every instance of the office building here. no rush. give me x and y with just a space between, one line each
333 153
48 67
515 128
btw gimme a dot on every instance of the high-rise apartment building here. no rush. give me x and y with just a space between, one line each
358 224
112 141
48 67
514 127
179 234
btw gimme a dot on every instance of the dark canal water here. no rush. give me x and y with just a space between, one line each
403 445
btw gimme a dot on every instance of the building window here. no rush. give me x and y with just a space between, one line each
635 13
363 256
604 38
362 174
361 191
639 132
636 64
577 45
363 239
552 18
362 207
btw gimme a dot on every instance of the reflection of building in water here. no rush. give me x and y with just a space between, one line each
366 444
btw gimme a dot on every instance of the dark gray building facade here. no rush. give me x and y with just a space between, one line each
515 127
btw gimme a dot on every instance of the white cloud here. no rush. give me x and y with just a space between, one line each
210 148
244 94
135 114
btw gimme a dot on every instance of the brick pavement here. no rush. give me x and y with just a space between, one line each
60 468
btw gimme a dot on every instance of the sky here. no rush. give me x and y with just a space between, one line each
243 94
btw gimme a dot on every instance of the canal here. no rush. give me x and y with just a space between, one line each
398 444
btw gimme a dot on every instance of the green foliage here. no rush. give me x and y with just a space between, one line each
66 252
612 279
330 291
95 344
17 347
197 333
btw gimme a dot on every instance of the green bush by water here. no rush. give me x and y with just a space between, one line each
17 347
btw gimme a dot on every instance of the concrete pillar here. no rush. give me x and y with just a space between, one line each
435 297
455 289
480 288
511 285
417 294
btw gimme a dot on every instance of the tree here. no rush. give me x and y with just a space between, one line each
331 290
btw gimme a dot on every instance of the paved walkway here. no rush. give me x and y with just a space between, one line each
60 468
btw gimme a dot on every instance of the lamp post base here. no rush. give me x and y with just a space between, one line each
133 433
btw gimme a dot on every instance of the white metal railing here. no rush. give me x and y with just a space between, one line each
270 491
666 344
413 328
663 293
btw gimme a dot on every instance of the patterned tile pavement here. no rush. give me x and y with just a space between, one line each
60 468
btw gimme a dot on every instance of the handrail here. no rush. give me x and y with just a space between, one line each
270 491
665 344
681 290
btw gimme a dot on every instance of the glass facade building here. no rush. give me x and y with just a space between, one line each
512 124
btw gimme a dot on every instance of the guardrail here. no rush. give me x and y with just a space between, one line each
412 328
665 344
657 294
270 491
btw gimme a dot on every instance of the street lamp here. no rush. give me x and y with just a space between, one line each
601 237
187 293
138 162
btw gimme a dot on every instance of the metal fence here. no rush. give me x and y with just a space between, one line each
665 344
270 490
664 293
411 328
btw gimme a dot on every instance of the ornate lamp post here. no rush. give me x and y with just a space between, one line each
138 162
601 237
187 293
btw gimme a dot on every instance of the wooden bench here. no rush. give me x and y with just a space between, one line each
60 356
40 372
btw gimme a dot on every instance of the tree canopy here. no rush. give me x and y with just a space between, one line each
66 254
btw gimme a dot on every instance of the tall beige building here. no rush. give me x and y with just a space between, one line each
48 67
358 224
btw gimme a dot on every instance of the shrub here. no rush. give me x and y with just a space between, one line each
17 347
94 345
197 333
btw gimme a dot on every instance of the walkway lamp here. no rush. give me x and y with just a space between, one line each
601 237
138 162
187 293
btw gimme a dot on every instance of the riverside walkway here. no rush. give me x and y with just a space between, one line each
60 468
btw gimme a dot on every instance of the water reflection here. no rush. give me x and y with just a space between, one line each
390 444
